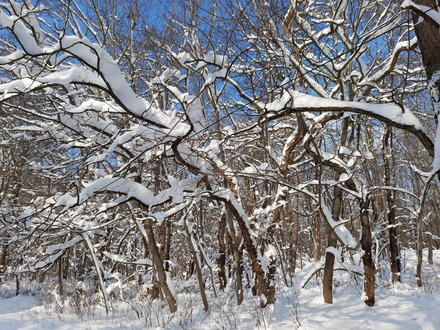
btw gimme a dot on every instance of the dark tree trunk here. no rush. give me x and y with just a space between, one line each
198 267
167 251
317 230
394 247
237 259
295 227
264 286
3 258
327 283
332 237
17 284
428 37
60 277
221 262
158 263
430 261
66 264
367 258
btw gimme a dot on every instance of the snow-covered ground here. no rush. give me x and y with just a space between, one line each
402 306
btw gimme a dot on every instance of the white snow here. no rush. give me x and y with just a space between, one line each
430 12
399 306
128 188
389 111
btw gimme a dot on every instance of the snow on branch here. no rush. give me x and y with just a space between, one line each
293 101
428 13
91 66
131 189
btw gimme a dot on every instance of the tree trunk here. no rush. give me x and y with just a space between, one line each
428 39
158 263
317 232
430 261
66 264
167 253
237 260
3 258
265 287
295 227
60 277
221 262
317 251
17 284
197 263
317 228
327 283
394 247
419 251
367 258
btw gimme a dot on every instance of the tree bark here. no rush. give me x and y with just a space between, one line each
419 251
428 36
60 277
367 258
317 230
158 263
66 264
197 263
3 259
430 261
221 262
327 282
265 287
237 260
394 247
295 226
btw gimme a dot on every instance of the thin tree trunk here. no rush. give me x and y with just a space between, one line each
17 284
60 277
282 199
3 258
327 282
430 261
167 254
419 251
265 287
221 262
295 227
197 263
367 257
99 271
66 264
317 251
394 247
237 260
158 263
317 228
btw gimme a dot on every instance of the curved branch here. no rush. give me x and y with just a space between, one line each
391 114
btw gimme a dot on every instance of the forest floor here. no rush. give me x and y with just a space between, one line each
399 306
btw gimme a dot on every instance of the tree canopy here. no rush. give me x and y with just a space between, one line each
154 140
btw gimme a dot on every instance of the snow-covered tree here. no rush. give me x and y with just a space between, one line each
219 139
